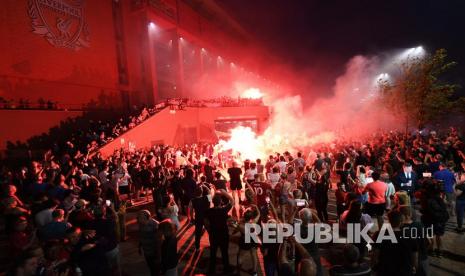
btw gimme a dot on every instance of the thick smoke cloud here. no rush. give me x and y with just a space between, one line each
353 110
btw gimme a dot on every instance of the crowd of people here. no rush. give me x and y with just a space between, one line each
27 104
216 102
66 213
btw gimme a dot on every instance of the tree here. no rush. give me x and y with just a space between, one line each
419 92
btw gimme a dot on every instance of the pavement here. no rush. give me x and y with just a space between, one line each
196 263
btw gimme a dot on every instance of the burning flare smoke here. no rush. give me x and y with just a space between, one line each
353 111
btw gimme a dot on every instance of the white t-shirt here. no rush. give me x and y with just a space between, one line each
43 217
250 174
103 177
273 178
282 166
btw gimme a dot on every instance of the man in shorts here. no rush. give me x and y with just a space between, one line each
376 198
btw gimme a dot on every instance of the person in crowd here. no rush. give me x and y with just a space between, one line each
87 255
103 177
170 210
347 175
270 164
249 175
390 190
235 183
447 179
321 193
208 170
309 216
270 252
260 168
219 183
216 219
262 194
22 237
460 203
351 265
175 184
414 230
188 186
75 177
306 265
123 182
56 229
27 265
340 194
354 215
273 177
281 164
105 227
198 208
150 241
169 251
145 177
284 191
251 215
434 212
395 257
406 180
299 162
44 216
376 198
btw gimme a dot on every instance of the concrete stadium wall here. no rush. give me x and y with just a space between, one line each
191 125
33 68
19 125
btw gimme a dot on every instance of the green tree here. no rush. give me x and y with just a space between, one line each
419 93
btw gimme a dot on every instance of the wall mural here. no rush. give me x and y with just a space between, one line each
60 22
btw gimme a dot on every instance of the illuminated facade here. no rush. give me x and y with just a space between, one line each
111 52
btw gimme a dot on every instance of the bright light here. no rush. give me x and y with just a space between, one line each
152 25
245 144
252 93
244 141
411 53
381 78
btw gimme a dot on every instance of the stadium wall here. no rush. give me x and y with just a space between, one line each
191 125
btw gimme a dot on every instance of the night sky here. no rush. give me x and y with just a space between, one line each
322 36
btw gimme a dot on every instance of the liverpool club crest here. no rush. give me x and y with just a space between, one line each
60 22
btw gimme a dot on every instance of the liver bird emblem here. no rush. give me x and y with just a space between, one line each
63 26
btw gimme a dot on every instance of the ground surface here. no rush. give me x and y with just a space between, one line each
195 263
